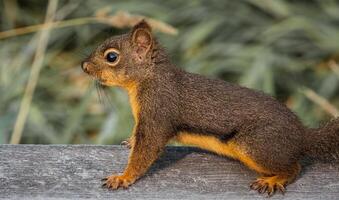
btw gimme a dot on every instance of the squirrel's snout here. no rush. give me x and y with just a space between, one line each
85 66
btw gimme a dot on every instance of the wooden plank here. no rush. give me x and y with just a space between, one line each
74 172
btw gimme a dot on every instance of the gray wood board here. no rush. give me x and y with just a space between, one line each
74 172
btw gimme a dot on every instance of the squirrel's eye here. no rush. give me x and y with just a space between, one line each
112 56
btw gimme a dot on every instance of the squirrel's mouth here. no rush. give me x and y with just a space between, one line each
102 81
98 79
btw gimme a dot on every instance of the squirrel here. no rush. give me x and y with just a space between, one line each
169 103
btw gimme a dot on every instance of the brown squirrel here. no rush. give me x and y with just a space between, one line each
230 120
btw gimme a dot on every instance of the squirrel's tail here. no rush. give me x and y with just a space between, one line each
323 143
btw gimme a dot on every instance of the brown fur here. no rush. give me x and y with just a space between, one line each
225 118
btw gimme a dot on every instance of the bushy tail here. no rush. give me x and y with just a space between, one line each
323 143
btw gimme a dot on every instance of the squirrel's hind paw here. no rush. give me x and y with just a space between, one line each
269 185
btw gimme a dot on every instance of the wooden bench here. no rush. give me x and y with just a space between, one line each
74 172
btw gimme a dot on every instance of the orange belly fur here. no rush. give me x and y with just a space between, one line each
229 149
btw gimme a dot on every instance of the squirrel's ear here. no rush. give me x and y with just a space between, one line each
142 37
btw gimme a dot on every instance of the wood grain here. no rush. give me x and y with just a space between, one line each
74 172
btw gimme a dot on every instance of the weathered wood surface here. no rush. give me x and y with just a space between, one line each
74 171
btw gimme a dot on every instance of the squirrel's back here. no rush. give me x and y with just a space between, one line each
211 101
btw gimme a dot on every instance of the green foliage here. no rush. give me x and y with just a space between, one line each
278 46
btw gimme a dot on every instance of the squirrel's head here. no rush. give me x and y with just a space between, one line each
125 59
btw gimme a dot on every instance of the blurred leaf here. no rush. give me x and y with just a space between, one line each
277 8
74 119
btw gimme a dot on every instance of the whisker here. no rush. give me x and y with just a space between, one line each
97 87
104 98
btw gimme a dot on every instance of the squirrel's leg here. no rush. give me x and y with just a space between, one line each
277 181
272 179
146 148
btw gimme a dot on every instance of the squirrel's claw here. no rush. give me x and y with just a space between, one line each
281 188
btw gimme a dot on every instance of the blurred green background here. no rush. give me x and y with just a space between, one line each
287 48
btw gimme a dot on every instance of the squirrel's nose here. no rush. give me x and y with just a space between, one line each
84 66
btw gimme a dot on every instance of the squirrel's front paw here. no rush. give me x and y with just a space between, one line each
127 143
116 181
